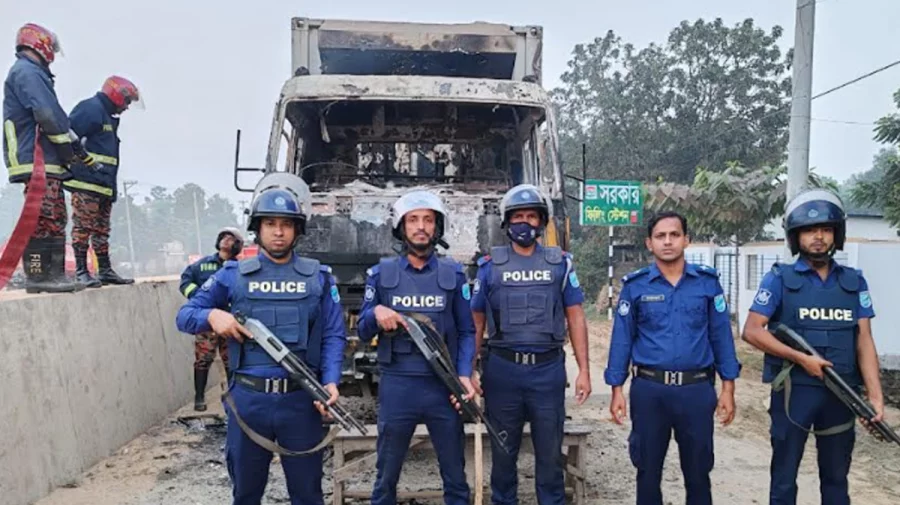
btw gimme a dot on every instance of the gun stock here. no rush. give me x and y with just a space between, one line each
435 353
837 385
299 372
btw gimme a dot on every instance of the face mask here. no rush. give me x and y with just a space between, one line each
523 234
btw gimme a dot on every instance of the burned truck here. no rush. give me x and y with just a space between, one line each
375 109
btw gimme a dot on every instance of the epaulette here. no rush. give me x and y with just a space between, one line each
708 270
325 268
484 259
636 274
373 270
776 268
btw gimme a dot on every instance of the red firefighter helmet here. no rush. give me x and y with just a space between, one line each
39 39
122 92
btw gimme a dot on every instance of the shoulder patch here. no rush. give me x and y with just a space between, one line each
720 303
335 294
484 259
635 274
466 292
624 308
573 280
763 296
476 286
209 282
370 293
865 299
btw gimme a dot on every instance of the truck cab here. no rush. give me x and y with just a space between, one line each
376 109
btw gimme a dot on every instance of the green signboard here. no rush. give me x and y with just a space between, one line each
612 203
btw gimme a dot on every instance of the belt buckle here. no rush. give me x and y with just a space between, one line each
276 386
526 358
674 378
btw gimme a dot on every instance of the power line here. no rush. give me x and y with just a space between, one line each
838 121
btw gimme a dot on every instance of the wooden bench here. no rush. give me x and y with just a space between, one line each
362 449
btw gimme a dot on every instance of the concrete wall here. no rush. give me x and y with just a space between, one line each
83 374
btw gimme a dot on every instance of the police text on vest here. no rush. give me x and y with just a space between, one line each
277 287
527 276
413 302
832 314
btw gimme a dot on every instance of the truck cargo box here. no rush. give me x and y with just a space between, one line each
478 50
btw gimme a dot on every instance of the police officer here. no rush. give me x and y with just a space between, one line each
409 391
30 104
529 293
672 325
95 121
297 299
830 306
229 243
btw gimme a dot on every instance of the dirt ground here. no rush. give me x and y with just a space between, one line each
180 462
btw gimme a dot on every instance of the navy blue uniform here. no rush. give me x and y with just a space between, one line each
299 303
95 122
525 300
826 313
409 392
197 273
664 328
29 100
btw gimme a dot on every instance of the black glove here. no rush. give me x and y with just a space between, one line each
82 155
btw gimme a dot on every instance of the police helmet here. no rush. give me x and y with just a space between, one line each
238 239
418 200
277 201
524 196
815 207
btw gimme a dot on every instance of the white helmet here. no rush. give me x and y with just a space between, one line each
419 200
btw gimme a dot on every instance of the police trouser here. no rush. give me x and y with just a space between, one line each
291 420
811 407
513 394
403 402
656 411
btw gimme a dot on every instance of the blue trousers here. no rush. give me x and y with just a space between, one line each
290 419
656 411
516 393
403 402
811 406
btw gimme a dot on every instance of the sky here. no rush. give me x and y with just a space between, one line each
208 68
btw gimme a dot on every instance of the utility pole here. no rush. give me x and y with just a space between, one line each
125 186
197 224
801 101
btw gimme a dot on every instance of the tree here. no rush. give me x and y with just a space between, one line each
731 207
884 192
710 95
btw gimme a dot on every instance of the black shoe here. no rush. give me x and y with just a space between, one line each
106 274
82 275
200 377
45 267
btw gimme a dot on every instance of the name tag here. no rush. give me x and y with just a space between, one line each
653 298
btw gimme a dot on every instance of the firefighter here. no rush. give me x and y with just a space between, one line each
410 392
95 121
229 243
30 107
298 299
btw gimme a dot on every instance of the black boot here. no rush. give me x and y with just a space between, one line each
45 267
106 274
82 275
200 377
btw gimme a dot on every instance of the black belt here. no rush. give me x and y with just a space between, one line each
527 358
680 378
266 385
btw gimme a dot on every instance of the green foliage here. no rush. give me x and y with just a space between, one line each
710 95
882 190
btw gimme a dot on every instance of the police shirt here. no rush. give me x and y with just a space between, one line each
768 297
672 328
216 293
572 293
465 327
195 274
